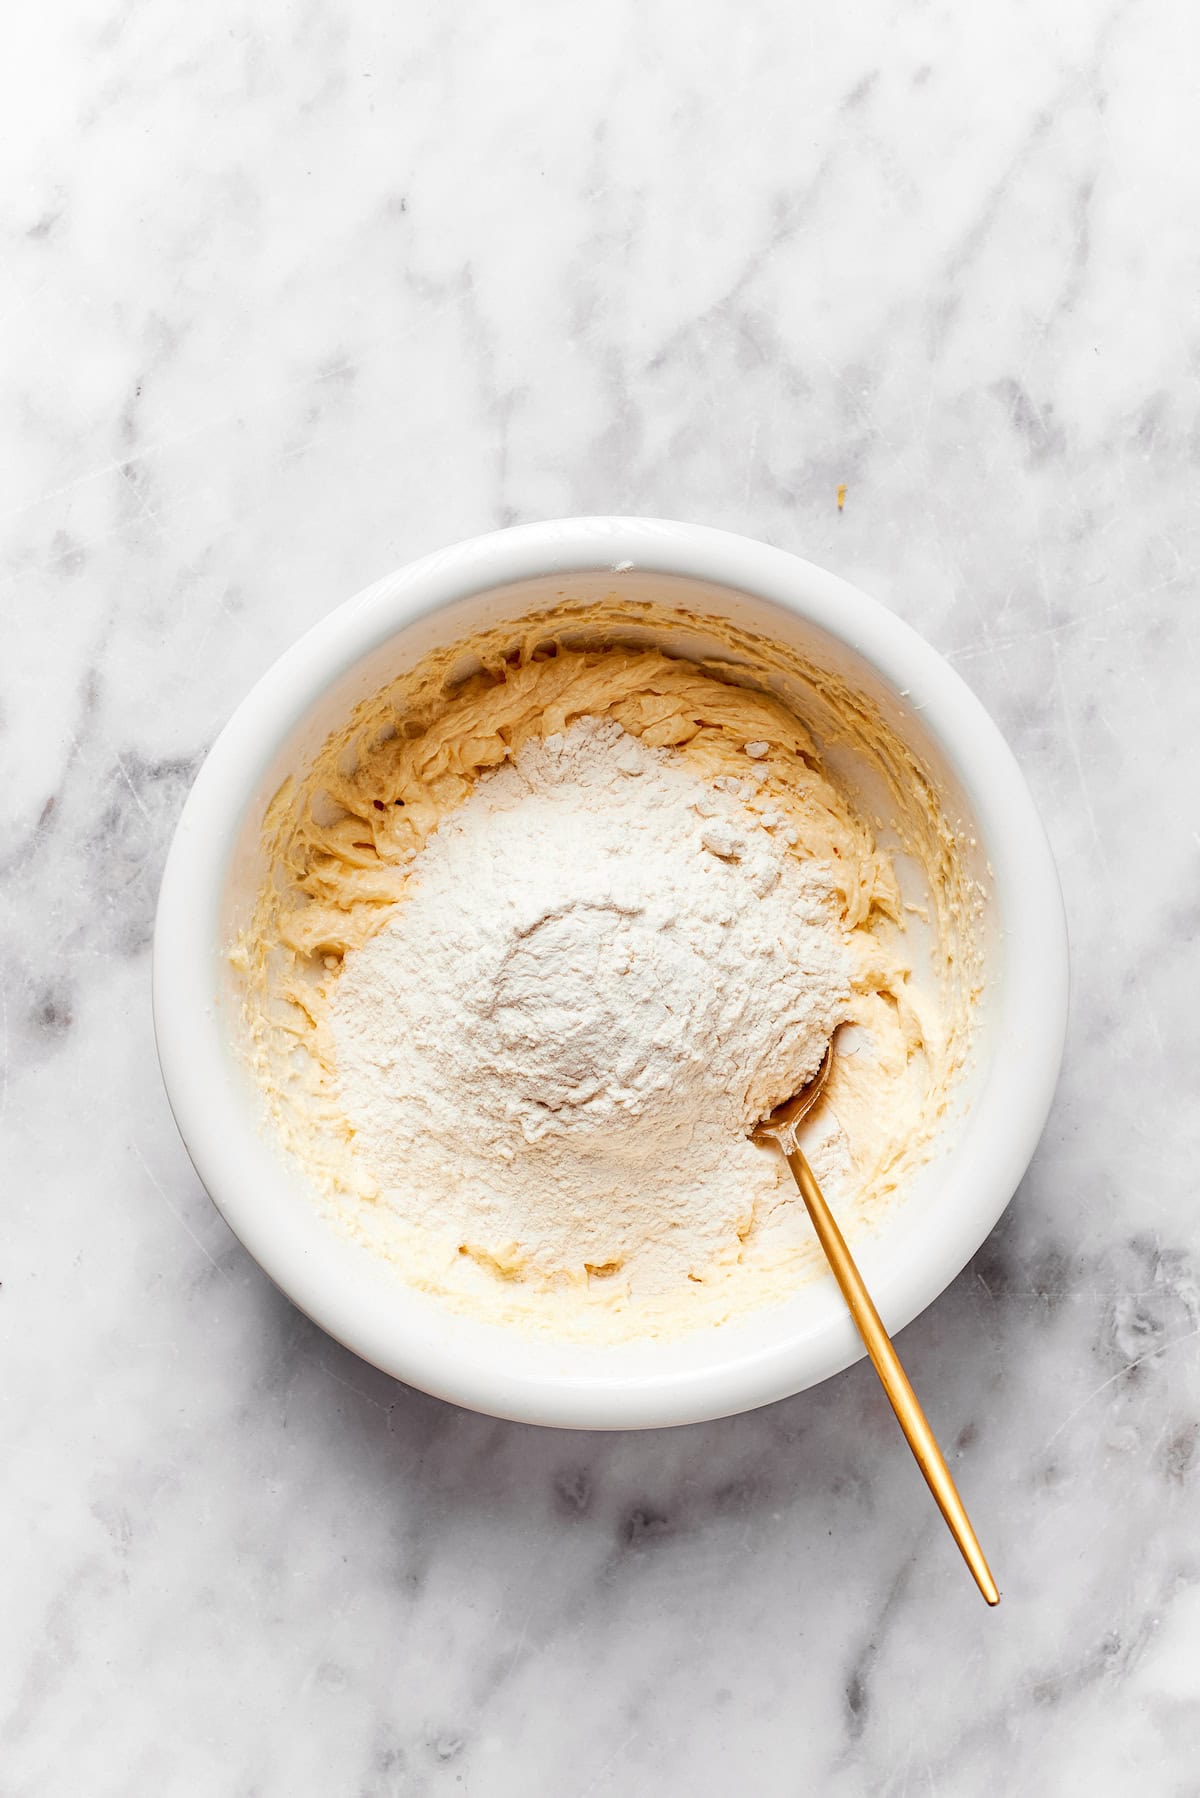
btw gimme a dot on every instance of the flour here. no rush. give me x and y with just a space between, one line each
604 970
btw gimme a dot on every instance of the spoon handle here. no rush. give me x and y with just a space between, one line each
903 1399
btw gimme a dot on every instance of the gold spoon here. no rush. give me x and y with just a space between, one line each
780 1129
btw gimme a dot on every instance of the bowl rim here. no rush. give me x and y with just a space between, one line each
217 1129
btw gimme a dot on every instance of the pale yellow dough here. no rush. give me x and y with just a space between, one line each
341 844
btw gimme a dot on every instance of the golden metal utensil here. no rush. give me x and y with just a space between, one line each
780 1129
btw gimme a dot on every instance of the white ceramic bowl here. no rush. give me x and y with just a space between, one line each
215 864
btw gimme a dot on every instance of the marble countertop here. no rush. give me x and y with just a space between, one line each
291 294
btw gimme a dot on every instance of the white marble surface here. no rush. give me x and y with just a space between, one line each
291 293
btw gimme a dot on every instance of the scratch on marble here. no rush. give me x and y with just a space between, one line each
175 440
989 644
930 1783
156 1183
351 1387
143 505
25 303
602 1772
517 1647
1162 1348
118 466
127 778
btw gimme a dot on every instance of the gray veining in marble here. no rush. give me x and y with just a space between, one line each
290 294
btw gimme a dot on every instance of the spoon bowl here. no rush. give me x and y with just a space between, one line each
780 1126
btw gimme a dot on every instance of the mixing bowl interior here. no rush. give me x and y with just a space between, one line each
408 1332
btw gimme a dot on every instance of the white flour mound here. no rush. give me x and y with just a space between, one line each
603 972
